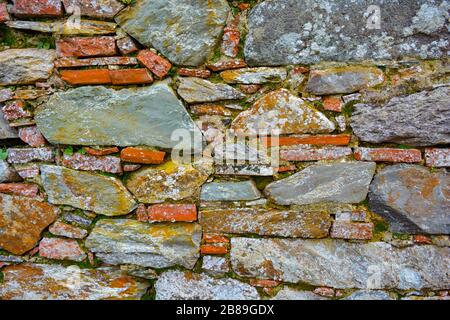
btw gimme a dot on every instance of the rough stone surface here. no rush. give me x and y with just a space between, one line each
86 190
178 285
85 27
7 173
229 191
61 249
369 295
62 229
167 181
22 220
437 157
25 155
55 282
80 161
418 119
266 222
25 66
412 199
196 90
254 75
346 182
6 132
339 264
184 31
215 266
280 112
303 32
123 241
291 294
95 9
128 117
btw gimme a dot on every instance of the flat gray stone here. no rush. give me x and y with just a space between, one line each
254 75
196 90
287 32
86 190
7 173
345 182
229 191
178 285
6 132
25 66
162 245
419 119
340 264
215 266
185 31
128 117
412 199
369 295
291 294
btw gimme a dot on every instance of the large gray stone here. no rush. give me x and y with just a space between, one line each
346 182
127 117
412 199
229 191
340 264
185 31
126 241
418 119
286 32
25 66
6 132
86 190
178 285
196 90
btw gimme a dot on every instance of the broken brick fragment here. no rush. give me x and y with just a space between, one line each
155 63
142 155
126 45
86 46
388 155
319 140
213 249
332 103
172 213
199 73
101 151
37 8
20 189
130 76
32 136
15 110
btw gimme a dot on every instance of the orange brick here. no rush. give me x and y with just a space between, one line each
243 6
388 155
130 76
37 8
172 212
338 140
332 103
213 249
142 155
421 239
215 238
199 73
264 283
84 77
155 63
86 47
4 16
286 168
19 189
102 151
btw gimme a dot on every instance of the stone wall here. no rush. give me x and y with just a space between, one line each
314 138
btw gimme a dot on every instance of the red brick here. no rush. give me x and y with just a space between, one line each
71 62
101 151
142 155
172 213
86 77
199 73
213 249
20 189
32 136
349 230
126 45
86 47
103 9
25 155
243 6
130 76
337 140
37 8
388 155
210 109
155 63
314 154
421 239
63 229
61 249
230 42
215 238
286 168
226 65
324 292
88 162
264 283
4 16
15 110
437 157
332 103
249 88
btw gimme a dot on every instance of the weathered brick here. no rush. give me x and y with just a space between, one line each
332 103
210 109
199 73
155 63
104 9
324 291
86 46
172 213
63 229
126 45
213 249
349 230
388 155
437 157
141 213
142 155
226 65
101 151
421 239
20 189
15 110
71 62
338 140
231 39
37 8
32 136
314 154
249 88
85 77
61 249
263 283
88 162
243 6
286 168
215 238
25 155
4 16
130 76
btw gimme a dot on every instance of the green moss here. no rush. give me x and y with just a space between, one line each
381 226
3 154
68 150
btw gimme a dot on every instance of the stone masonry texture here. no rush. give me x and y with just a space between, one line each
224 150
